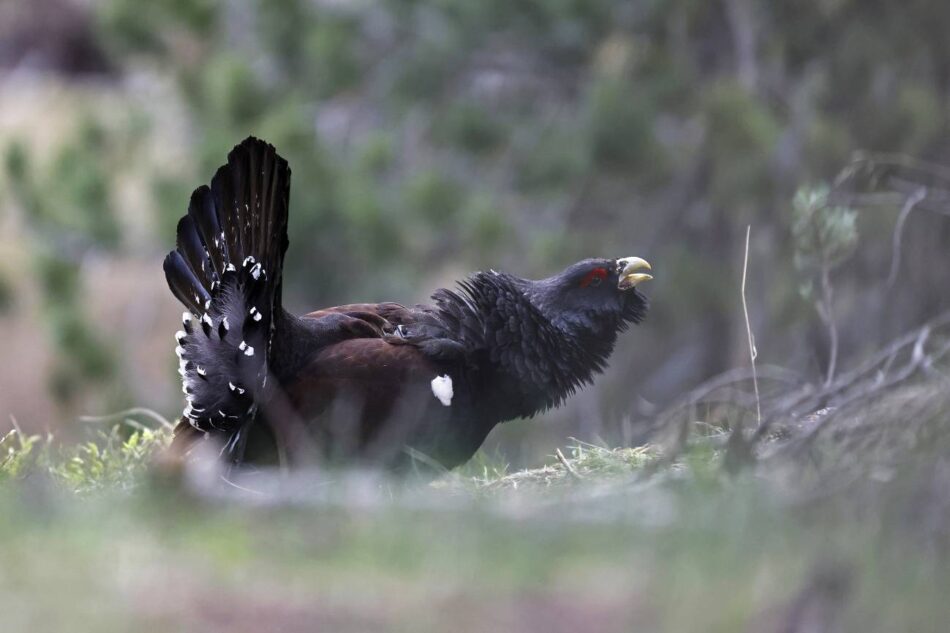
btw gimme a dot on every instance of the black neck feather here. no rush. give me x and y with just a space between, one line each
540 356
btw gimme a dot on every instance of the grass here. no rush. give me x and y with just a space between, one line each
113 460
605 539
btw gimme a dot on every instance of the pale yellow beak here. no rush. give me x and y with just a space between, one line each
627 271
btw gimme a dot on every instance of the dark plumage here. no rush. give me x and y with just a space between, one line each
381 384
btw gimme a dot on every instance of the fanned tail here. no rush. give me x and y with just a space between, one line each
226 270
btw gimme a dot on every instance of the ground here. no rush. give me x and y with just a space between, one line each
97 539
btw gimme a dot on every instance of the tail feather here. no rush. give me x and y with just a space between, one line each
203 213
227 271
193 251
184 284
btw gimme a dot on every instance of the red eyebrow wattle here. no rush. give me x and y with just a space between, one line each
600 273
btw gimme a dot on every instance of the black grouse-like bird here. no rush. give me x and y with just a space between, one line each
377 384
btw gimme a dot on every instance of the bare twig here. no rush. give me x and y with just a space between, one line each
882 162
753 352
826 312
567 465
909 205
16 426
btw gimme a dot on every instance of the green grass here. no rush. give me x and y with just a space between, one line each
113 460
94 539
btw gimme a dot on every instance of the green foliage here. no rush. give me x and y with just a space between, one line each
332 65
470 128
7 293
742 134
229 91
552 161
68 207
18 452
424 72
152 27
69 200
620 128
433 197
82 357
486 225
825 234
115 460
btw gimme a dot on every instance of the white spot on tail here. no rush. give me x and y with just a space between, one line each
225 324
442 389
256 271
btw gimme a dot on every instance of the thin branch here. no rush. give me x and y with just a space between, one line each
827 314
909 205
881 161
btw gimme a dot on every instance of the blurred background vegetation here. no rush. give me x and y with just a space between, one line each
432 138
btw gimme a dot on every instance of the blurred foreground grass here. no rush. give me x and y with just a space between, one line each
95 540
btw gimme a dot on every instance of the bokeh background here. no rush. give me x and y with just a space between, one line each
431 138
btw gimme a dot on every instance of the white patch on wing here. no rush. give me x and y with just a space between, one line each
442 389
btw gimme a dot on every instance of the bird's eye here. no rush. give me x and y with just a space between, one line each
594 277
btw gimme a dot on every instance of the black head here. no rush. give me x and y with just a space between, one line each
594 298
544 338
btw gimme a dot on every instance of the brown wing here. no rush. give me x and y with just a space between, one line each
365 397
382 317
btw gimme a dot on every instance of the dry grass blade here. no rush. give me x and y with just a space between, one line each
567 465
753 352
127 417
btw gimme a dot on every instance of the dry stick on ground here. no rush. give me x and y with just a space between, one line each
703 393
918 360
567 465
868 378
